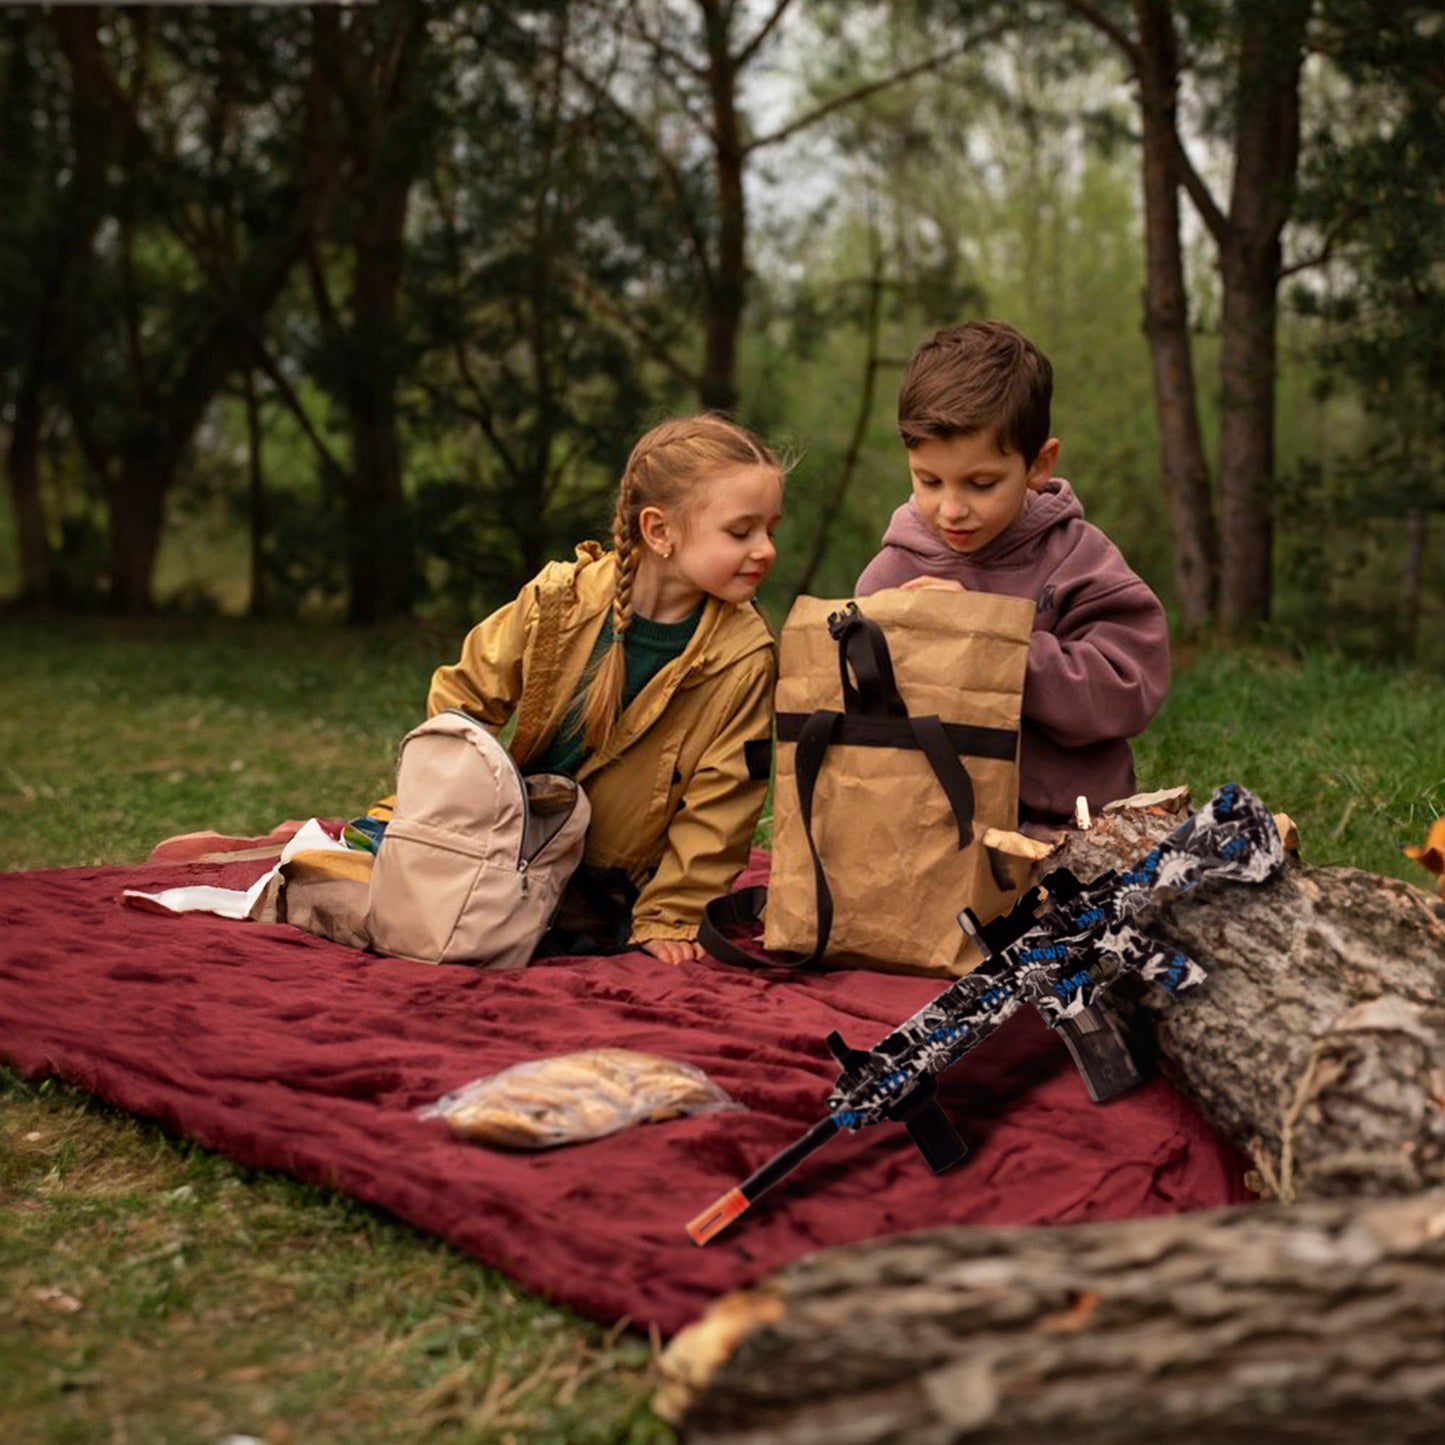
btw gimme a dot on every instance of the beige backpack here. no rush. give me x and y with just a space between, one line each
476 856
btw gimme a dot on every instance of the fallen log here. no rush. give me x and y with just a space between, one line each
1317 1322
1319 1046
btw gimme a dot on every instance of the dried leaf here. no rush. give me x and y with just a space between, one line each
1432 855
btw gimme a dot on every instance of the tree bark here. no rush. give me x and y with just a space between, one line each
1265 1323
727 284
1318 1044
379 557
1166 324
1266 158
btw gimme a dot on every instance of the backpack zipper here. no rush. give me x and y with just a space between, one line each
523 863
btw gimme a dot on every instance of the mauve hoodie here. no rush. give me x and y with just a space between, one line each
1099 657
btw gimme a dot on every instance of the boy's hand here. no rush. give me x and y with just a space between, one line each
932 584
672 950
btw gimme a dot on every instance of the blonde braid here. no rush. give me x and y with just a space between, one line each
604 692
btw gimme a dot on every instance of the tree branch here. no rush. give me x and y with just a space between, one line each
751 47
1214 218
292 402
670 173
1086 10
596 301
873 87
871 366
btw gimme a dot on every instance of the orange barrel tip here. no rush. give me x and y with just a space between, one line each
716 1217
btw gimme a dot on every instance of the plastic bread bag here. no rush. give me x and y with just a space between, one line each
567 1098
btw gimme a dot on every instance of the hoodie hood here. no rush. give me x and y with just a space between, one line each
1053 505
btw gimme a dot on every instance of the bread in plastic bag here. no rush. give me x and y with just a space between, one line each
570 1097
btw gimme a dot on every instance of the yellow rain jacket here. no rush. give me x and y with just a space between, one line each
677 791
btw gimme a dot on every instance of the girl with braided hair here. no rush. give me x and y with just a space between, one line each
646 673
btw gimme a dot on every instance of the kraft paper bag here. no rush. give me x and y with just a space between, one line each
887 833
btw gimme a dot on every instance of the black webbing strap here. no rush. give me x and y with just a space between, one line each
855 730
952 776
746 905
871 690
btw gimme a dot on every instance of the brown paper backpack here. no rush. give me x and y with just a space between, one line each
476 856
898 743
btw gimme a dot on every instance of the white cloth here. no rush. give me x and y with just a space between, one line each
234 902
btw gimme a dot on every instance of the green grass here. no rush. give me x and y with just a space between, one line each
116 735
153 1292
1352 753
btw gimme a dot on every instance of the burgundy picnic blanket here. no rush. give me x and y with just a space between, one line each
284 1051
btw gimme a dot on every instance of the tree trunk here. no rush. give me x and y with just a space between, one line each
137 509
1266 157
727 286
256 508
1319 1042
1320 1322
379 553
378 556
1246 439
65 259
22 467
1166 323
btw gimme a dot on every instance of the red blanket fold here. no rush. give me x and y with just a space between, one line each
287 1052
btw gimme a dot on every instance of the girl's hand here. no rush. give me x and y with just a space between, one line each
672 950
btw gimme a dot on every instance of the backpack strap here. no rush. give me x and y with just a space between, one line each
746 905
865 666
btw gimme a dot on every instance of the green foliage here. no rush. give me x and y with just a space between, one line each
558 253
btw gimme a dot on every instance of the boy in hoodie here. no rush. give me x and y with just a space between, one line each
988 514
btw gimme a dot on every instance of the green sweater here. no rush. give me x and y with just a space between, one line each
648 647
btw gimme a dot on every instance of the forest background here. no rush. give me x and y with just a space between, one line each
352 313
355 311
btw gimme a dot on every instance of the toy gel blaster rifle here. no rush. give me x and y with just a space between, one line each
1060 947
